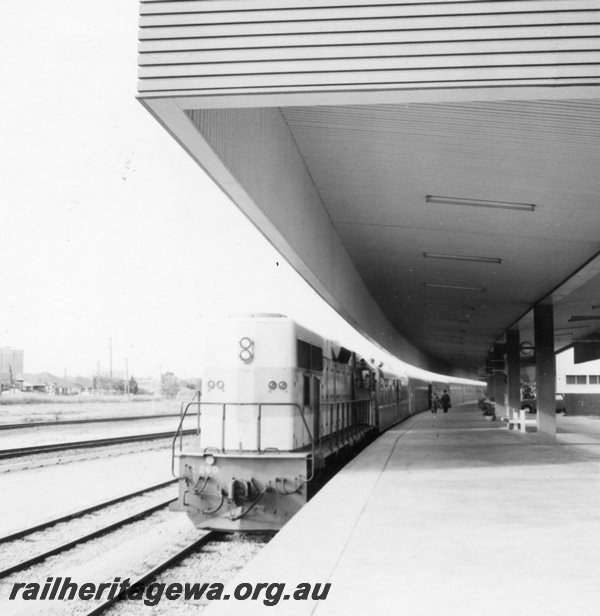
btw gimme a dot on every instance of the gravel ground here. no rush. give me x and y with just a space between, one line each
218 561
53 434
22 549
78 407
126 552
73 455
37 495
88 453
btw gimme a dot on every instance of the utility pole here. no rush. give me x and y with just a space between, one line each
127 376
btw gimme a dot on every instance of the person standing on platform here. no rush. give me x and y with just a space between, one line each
435 403
445 402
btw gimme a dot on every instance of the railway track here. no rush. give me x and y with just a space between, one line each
102 442
152 572
57 549
71 422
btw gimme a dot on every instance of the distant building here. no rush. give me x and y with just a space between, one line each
148 385
84 384
574 378
47 383
11 364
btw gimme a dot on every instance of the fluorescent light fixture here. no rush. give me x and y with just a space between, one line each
456 306
562 329
455 287
436 255
581 317
447 340
506 205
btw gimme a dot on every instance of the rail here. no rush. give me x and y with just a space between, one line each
71 543
76 514
152 572
89 444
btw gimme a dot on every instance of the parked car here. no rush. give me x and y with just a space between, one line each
530 404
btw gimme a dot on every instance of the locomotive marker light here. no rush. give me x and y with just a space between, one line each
272 385
209 460
220 384
282 385
211 384
246 354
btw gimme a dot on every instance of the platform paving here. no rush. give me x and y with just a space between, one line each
447 515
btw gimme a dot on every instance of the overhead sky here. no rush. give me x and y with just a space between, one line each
111 236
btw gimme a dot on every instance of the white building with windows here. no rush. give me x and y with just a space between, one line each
572 378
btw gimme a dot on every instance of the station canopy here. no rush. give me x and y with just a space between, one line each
454 146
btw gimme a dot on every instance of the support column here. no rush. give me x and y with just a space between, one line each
499 379
490 377
543 316
514 372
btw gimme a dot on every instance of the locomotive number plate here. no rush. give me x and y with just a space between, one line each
208 470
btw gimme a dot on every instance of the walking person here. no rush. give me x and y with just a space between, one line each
435 403
446 402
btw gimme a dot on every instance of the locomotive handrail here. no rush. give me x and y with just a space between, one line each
179 431
312 440
355 412
259 406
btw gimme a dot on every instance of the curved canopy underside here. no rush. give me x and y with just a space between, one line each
431 168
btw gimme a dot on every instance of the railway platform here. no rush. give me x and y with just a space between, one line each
446 515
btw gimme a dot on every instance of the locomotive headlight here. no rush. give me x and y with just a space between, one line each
211 384
209 460
272 385
282 385
246 354
220 384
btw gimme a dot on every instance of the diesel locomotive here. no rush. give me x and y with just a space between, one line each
279 404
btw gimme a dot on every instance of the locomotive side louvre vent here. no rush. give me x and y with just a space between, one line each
303 355
316 358
309 356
